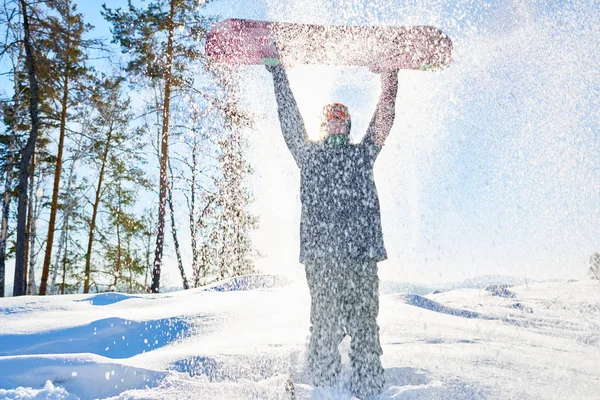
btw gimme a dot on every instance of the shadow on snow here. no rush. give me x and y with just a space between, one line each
423 302
106 299
87 377
110 337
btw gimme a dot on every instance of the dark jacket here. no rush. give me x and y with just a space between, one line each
340 207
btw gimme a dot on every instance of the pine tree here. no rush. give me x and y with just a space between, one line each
12 115
8 142
230 244
196 161
162 41
124 256
41 168
148 233
116 148
184 280
70 202
65 42
33 91
26 153
215 170
234 222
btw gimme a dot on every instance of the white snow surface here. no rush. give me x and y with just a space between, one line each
244 338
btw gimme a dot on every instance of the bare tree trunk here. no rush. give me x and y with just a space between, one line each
9 175
64 269
32 234
148 251
193 224
26 154
88 255
186 286
164 156
202 268
59 251
204 264
31 289
67 212
130 269
30 214
56 188
5 212
118 263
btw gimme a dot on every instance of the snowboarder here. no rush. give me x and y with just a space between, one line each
341 239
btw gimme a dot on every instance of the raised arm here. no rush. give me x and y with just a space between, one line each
292 125
383 118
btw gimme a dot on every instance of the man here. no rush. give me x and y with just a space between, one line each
340 233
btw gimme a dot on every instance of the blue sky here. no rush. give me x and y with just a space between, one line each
492 166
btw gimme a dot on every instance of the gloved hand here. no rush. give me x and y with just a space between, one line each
271 64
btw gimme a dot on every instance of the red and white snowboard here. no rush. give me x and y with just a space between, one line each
241 41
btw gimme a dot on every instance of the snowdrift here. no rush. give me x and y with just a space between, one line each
244 338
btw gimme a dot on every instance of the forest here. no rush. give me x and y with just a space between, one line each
110 149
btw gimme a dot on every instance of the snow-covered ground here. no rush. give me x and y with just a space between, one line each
243 339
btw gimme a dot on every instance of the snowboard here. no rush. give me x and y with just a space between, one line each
249 42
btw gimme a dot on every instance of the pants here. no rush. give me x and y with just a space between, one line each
345 301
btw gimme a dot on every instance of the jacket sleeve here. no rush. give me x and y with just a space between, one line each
292 125
383 118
